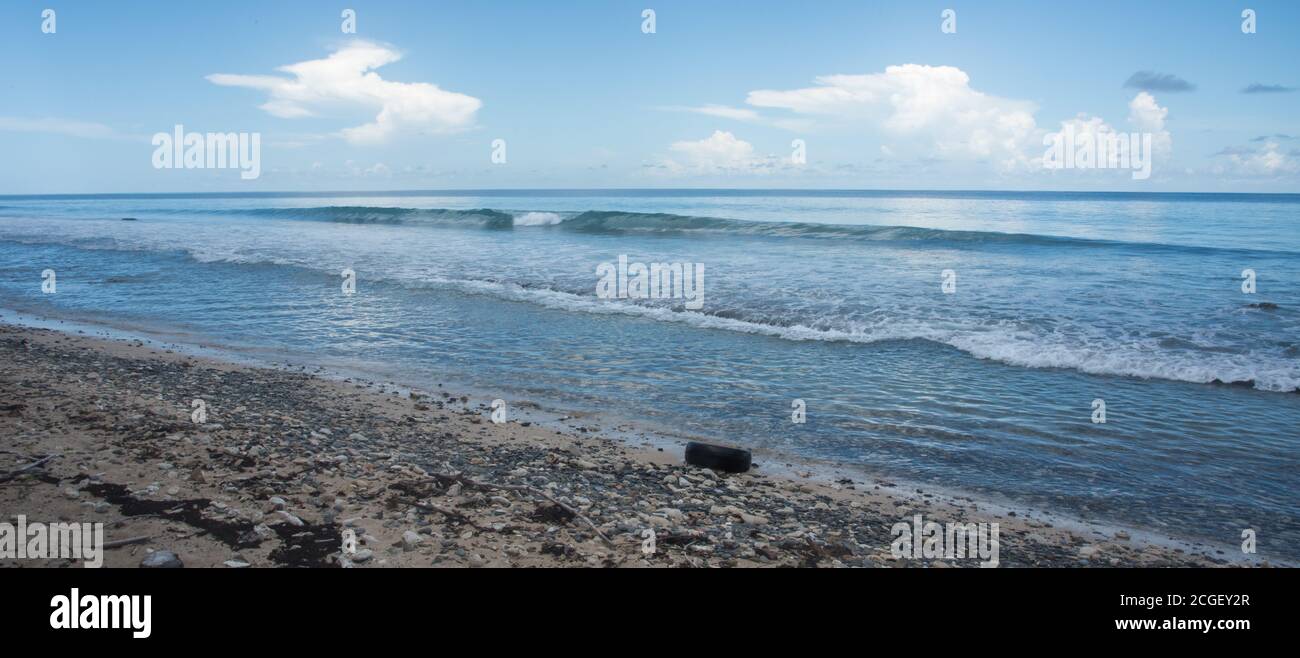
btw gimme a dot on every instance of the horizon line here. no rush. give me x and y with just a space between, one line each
597 191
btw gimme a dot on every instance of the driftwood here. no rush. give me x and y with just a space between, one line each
19 471
450 514
126 542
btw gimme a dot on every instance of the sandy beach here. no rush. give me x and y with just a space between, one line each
285 463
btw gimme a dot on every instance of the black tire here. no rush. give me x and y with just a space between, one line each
718 458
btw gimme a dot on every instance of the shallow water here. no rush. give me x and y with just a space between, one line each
836 300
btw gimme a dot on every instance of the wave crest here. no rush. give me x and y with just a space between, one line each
612 222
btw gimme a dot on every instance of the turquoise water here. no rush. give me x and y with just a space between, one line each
832 298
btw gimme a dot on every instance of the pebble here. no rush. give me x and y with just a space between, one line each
161 559
717 519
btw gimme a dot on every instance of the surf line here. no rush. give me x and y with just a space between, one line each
653 281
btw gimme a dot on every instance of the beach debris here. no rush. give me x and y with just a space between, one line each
718 458
127 542
161 559
433 489
19 471
290 518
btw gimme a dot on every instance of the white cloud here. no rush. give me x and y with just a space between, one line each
719 153
932 113
356 170
1145 116
1266 160
743 114
721 149
725 112
347 78
1086 128
71 128
1148 117
932 104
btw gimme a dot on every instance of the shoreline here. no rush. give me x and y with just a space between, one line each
286 461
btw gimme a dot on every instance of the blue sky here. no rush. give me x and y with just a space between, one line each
879 94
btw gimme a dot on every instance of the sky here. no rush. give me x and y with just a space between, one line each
580 94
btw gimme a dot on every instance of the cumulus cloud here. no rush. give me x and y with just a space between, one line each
1267 160
721 153
1085 127
926 114
931 104
1148 117
1152 81
346 78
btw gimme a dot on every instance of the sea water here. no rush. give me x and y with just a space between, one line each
961 340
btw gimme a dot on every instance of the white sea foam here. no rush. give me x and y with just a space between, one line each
1077 346
1096 355
538 219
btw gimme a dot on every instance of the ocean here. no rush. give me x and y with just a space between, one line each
957 340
